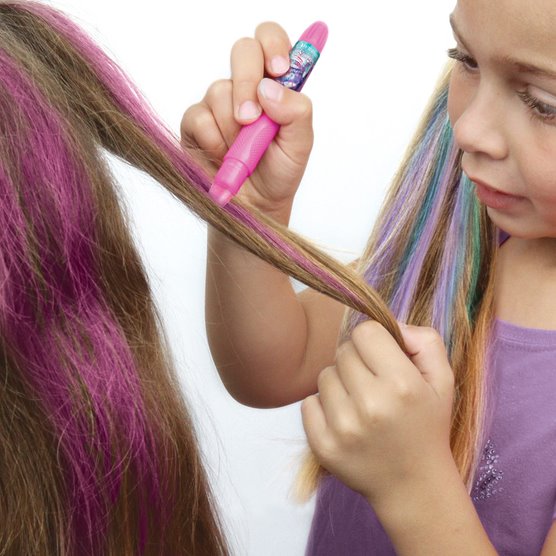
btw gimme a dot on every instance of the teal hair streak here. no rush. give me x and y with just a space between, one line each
456 253
431 196
472 298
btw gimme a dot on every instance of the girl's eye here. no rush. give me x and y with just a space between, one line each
468 63
539 109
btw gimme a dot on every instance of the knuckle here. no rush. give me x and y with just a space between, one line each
347 430
191 118
202 119
366 330
326 448
378 414
432 337
371 413
323 376
218 89
431 334
187 117
267 26
404 391
343 349
245 84
305 106
243 42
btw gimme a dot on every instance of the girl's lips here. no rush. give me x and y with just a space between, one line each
493 198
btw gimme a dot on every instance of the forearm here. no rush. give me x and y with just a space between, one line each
256 326
436 517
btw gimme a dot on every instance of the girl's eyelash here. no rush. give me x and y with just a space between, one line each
544 112
461 57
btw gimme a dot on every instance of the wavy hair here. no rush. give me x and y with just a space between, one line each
98 450
431 258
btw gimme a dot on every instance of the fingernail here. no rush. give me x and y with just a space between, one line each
270 89
248 110
279 64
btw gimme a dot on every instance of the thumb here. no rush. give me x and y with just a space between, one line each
427 352
291 109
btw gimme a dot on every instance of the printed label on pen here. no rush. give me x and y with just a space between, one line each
303 57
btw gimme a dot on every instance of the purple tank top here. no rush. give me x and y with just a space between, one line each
513 493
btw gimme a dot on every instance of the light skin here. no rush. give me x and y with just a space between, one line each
380 421
510 143
214 122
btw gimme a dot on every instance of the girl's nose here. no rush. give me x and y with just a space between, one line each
481 126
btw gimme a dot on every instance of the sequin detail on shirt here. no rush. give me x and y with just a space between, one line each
489 477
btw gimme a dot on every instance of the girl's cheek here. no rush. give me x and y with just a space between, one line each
543 184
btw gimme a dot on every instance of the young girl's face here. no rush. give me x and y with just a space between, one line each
502 106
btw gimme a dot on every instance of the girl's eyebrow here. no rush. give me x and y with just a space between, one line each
518 65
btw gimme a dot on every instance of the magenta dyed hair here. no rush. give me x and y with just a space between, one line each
116 467
55 320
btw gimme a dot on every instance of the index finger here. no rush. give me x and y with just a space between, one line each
247 65
380 352
269 51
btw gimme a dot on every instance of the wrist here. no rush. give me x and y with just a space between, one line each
435 516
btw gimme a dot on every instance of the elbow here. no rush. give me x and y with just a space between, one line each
255 398
259 396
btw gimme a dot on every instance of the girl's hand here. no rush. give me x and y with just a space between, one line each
381 419
213 123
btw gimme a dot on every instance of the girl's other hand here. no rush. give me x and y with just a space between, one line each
213 123
381 419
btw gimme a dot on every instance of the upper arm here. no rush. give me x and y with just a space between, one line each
324 317
549 547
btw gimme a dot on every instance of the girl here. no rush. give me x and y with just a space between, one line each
436 439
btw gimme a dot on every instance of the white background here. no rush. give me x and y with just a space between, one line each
368 89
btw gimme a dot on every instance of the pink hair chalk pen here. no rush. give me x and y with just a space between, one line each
253 139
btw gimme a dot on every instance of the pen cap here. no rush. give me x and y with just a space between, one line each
316 34
304 55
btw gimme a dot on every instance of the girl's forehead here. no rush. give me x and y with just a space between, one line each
509 27
539 15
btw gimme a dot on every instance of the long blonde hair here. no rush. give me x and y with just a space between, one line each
431 257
